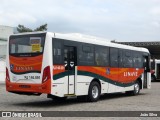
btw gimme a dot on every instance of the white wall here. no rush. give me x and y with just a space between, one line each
2 71
5 31
3 48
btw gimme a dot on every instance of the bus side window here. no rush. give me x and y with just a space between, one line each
113 57
86 54
137 60
120 59
101 56
128 61
57 52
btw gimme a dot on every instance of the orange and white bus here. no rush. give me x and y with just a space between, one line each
62 65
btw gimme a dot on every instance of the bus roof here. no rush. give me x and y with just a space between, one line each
88 39
98 41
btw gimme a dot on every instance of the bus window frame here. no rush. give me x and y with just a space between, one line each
27 54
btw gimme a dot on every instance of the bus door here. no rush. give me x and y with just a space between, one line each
147 74
158 70
70 62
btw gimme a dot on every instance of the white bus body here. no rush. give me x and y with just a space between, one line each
62 65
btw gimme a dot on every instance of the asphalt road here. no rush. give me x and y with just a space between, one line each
148 100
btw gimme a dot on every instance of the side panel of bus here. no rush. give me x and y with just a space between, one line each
64 67
76 64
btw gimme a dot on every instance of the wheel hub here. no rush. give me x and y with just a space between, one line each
95 92
136 87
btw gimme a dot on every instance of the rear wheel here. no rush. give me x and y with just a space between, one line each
94 92
136 89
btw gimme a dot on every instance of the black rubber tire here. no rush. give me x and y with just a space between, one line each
90 96
135 91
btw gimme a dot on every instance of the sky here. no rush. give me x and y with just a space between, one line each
120 20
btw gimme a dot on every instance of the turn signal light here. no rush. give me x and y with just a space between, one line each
7 75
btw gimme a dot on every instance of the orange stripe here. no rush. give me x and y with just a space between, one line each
116 74
58 69
35 62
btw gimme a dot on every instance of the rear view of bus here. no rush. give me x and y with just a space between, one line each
25 73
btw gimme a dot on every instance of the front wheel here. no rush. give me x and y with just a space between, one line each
94 92
136 89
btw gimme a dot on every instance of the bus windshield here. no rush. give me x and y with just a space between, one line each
26 44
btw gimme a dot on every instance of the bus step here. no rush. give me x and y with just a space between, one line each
69 95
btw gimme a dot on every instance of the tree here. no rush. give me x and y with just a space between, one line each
41 28
22 28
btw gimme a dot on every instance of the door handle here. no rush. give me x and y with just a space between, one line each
71 64
65 63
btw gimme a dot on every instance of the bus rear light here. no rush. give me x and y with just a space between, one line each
46 74
7 75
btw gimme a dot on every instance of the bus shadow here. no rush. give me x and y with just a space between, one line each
117 95
156 81
51 103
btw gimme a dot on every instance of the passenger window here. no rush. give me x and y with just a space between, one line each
128 62
57 52
102 56
113 57
137 60
86 55
121 57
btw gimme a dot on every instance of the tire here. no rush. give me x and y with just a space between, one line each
136 90
94 92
